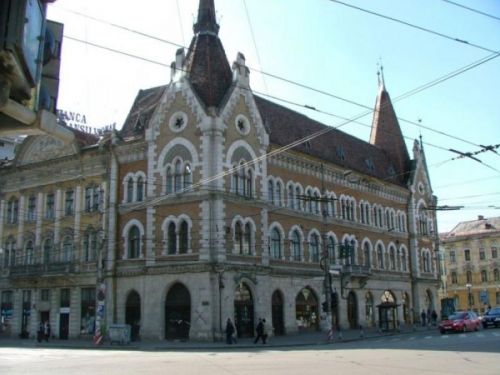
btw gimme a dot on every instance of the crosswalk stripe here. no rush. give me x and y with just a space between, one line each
479 334
445 336
462 335
496 334
428 337
412 338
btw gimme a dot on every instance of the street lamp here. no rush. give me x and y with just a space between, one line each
469 295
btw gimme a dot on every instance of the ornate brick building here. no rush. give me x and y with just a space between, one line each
217 203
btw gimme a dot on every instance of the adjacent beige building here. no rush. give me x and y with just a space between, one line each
473 263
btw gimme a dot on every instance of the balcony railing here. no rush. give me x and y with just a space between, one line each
357 271
37 270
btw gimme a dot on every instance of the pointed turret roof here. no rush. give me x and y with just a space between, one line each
206 63
386 133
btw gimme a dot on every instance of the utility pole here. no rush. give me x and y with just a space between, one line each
325 257
101 286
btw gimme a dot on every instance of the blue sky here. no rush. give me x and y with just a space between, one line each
327 46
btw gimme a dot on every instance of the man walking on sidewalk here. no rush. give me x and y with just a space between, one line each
260 330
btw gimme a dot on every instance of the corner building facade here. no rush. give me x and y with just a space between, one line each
218 204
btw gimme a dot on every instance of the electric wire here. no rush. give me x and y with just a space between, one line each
260 71
472 9
417 27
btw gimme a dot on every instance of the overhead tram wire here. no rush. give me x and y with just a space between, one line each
472 9
260 71
412 92
417 27
312 136
255 43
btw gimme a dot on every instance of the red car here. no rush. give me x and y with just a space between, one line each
461 321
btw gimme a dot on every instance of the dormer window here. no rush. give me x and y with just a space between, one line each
391 171
369 164
340 153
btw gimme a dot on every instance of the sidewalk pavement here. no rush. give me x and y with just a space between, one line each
288 341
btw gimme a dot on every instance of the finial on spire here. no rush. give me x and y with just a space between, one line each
380 73
206 18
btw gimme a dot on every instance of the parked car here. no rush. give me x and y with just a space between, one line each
460 321
491 318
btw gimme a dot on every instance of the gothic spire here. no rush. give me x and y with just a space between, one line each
206 64
386 132
206 22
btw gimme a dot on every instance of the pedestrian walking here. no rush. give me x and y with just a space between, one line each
423 317
229 331
260 332
41 332
264 331
434 317
46 331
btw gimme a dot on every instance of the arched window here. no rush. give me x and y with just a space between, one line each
67 249
404 260
275 244
30 253
279 193
170 180
134 242
366 254
295 243
314 248
291 201
140 189
309 201
380 256
178 176
238 238
317 207
130 189
249 182
454 278
297 204
392 258
188 177
331 249
171 239
236 180
183 238
247 240
270 191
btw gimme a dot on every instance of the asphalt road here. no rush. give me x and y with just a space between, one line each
427 353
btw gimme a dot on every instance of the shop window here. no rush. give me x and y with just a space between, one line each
87 320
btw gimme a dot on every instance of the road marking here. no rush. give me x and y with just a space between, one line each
412 338
428 337
462 335
396 339
479 334
445 336
495 334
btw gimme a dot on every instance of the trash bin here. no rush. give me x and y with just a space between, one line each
119 333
